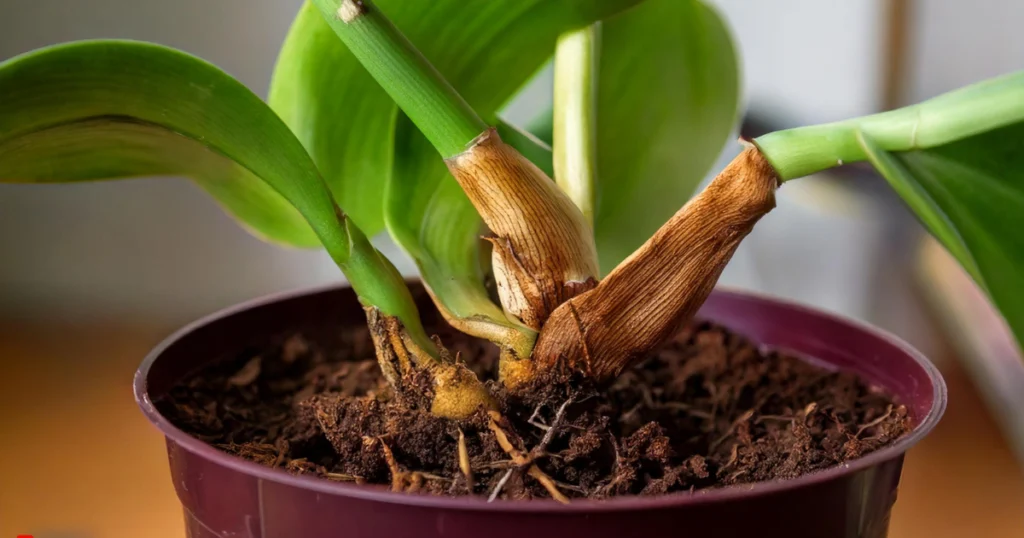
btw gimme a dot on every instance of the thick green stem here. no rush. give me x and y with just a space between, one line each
421 92
379 284
949 117
575 115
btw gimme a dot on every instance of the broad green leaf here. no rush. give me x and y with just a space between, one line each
342 118
957 160
970 195
109 109
668 93
105 109
102 149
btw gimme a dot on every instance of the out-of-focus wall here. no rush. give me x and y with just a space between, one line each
956 43
809 61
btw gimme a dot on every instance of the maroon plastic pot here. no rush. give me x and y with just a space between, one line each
224 496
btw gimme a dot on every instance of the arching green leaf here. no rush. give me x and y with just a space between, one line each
957 160
668 93
108 109
105 109
970 195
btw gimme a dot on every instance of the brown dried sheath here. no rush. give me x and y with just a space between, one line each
642 303
544 251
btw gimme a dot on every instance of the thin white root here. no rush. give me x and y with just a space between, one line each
875 422
500 485
559 416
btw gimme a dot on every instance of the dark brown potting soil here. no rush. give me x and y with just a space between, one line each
709 410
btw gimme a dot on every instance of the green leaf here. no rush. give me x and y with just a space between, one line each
957 160
668 95
103 148
101 109
970 195
107 109
339 113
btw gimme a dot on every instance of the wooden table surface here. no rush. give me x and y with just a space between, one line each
78 458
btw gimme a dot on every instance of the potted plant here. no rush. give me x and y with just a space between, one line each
598 399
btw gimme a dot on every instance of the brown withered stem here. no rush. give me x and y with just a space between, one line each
643 302
432 379
544 251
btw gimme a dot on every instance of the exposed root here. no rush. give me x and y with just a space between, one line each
742 419
342 477
548 483
432 476
538 451
521 460
875 422
500 485
534 419
415 482
398 477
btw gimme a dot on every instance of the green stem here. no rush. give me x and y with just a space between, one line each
377 282
421 92
575 115
949 117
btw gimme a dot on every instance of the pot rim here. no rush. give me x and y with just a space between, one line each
379 494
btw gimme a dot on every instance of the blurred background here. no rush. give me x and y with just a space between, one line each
94 275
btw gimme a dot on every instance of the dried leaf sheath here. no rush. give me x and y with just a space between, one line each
544 250
644 300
